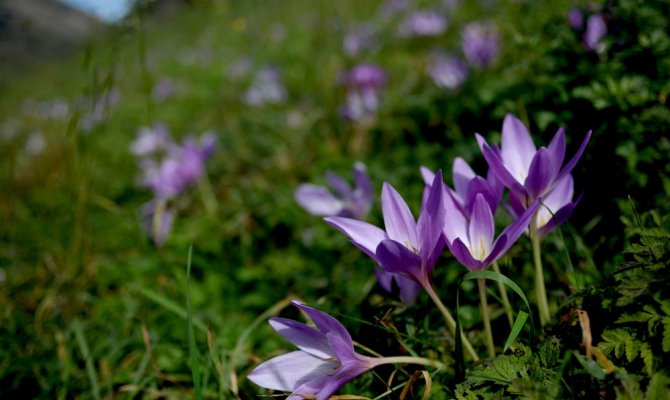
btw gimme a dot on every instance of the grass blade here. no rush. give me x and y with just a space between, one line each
85 352
195 365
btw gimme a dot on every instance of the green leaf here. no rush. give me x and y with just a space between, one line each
195 365
516 329
591 366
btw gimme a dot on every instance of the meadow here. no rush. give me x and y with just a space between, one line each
165 190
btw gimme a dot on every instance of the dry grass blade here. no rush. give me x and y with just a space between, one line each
587 339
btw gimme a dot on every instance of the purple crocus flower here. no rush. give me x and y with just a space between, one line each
407 248
424 23
595 30
471 240
346 202
557 206
448 72
151 140
481 43
363 84
575 18
528 172
325 361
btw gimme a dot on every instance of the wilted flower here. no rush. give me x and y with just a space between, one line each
448 72
481 43
424 23
595 30
346 202
267 88
325 361
528 172
575 18
360 39
363 84
406 248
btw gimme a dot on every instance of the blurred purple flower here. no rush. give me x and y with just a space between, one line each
407 248
267 88
346 202
448 72
163 89
481 43
392 7
528 172
595 30
360 39
424 23
325 361
363 84
575 18
151 140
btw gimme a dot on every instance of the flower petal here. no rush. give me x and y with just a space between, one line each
431 220
557 150
456 224
560 196
363 193
479 185
540 175
344 374
498 167
364 235
408 289
427 175
398 219
340 185
288 371
304 337
481 229
517 147
394 257
463 255
567 168
513 231
317 200
385 279
338 337
462 174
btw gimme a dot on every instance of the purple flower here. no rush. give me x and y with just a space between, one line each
595 30
182 166
575 18
360 39
407 248
325 361
557 206
267 88
363 84
424 23
163 89
151 140
467 185
481 43
471 239
448 72
528 172
346 202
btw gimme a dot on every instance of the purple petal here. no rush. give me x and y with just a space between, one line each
427 175
431 221
559 218
573 161
408 289
289 371
516 205
338 337
396 258
347 372
304 337
398 219
363 193
560 196
310 388
462 174
385 279
518 148
479 185
317 200
340 185
463 255
557 149
482 229
499 249
497 167
540 175
513 231
366 236
595 30
456 224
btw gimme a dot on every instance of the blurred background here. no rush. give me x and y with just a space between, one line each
134 132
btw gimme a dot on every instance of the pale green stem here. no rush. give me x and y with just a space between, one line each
451 323
504 298
406 360
540 290
485 317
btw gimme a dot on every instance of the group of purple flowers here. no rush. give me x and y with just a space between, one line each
168 169
461 219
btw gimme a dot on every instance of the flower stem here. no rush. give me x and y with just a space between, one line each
451 323
540 290
207 195
485 316
406 360
503 296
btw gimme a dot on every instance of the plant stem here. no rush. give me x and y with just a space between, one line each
485 317
503 295
451 323
540 290
406 360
